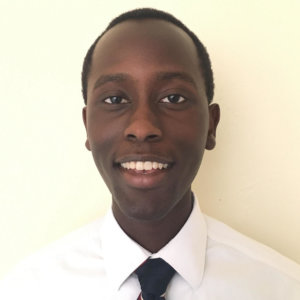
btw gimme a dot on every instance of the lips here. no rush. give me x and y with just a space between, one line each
144 172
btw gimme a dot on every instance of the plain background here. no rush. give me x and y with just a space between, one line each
49 185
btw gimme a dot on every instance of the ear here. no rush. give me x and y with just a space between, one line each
214 118
87 143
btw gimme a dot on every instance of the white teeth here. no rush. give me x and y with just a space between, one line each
147 165
139 165
143 165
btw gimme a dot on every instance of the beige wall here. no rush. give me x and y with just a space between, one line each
48 183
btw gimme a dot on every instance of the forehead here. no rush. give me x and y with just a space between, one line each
145 46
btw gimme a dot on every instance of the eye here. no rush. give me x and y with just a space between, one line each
175 98
115 100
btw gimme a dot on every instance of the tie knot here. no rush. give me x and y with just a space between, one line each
154 276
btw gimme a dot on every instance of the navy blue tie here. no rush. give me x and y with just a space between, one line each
154 276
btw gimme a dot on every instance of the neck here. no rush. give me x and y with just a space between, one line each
153 235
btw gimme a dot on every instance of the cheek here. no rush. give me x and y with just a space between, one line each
190 130
190 140
102 130
103 137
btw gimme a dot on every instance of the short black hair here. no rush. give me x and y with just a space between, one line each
150 13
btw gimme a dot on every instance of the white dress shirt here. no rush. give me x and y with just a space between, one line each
212 262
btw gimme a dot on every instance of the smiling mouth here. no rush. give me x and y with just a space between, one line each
144 166
144 173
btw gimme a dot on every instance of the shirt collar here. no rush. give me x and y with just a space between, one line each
185 252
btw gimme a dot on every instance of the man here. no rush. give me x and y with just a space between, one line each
148 86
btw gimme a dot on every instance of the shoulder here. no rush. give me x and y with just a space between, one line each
78 249
247 254
70 268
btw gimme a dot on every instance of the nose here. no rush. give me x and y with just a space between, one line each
143 126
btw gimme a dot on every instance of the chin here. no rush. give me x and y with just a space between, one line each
146 207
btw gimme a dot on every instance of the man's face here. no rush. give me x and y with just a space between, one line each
147 116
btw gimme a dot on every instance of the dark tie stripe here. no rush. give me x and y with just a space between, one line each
154 276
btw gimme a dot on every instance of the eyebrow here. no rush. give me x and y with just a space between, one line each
176 75
162 76
110 78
